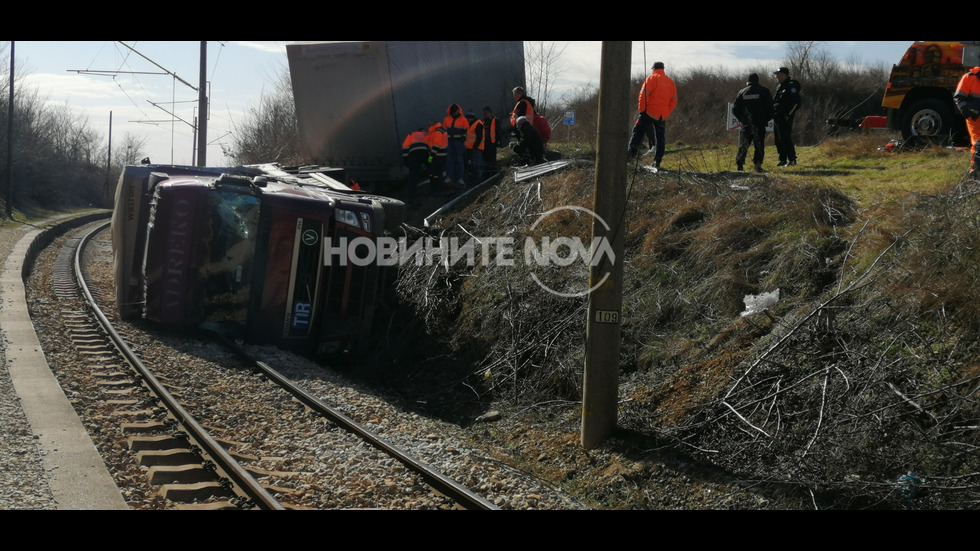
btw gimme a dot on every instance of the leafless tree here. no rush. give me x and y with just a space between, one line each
58 160
544 65
130 149
808 58
268 132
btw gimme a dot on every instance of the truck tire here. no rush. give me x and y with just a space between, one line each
393 208
929 121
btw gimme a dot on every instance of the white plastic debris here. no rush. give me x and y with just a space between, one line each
757 303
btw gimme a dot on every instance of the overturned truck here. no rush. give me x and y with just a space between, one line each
241 251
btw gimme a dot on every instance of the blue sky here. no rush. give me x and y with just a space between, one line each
142 89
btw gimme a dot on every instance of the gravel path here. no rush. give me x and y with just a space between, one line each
23 481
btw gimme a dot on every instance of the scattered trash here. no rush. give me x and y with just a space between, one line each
737 187
892 145
489 417
909 485
758 303
650 168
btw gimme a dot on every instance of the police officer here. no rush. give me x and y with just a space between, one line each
786 101
753 108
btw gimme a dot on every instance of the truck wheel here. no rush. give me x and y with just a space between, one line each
393 208
928 122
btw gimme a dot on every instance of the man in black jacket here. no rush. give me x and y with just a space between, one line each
786 102
753 108
530 148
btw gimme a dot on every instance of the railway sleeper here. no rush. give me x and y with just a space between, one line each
144 427
160 442
117 384
149 412
197 491
180 474
206 506
152 458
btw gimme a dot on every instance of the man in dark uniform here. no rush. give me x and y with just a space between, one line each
753 108
529 148
786 102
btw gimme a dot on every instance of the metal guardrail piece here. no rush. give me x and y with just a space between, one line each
526 173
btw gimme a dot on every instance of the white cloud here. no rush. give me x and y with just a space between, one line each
264 46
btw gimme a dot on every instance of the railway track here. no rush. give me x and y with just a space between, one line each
198 439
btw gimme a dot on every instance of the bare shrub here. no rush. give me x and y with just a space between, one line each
269 132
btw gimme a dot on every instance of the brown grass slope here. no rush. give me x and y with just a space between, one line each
863 372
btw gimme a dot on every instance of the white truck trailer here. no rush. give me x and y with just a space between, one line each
356 101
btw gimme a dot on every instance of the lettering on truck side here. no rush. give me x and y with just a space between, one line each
131 203
177 249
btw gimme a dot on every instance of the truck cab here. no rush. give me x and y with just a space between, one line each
919 95
240 251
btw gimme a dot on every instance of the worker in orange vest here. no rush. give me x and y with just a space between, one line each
415 154
474 147
523 108
491 139
456 126
438 143
658 97
967 100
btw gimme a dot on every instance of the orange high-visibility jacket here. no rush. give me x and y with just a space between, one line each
455 127
415 141
658 96
474 136
524 108
437 140
967 100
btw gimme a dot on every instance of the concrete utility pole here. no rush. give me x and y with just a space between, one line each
108 162
603 331
202 118
10 139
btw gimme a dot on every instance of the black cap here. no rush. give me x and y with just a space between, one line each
782 70
753 78
658 65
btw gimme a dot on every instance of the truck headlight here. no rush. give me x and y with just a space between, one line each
347 217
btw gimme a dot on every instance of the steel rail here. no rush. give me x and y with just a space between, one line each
452 489
228 466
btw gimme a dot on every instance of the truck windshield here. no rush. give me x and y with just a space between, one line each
230 247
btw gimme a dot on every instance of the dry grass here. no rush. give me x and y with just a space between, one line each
863 371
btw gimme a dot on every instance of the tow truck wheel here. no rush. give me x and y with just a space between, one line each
928 122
